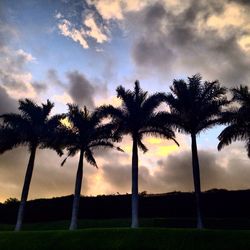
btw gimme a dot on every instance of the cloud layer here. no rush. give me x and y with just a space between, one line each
175 172
209 37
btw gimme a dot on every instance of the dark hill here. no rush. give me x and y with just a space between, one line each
216 203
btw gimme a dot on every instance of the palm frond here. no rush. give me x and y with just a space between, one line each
248 147
101 143
231 133
110 111
139 95
71 152
237 119
32 126
142 146
46 109
14 121
90 158
241 94
153 102
30 110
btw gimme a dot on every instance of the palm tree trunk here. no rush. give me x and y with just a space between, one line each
197 186
77 195
25 190
134 201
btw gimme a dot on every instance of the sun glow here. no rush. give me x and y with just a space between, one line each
160 147
65 122
165 150
153 140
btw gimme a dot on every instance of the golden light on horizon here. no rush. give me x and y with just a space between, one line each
154 140
165 150
116 102
97 182
159 147
127 148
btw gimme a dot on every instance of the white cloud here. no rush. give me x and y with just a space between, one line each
58 15
76 35
205 38
109 9
234 17
19 85
90 29
94 31
64 98
115 9
99 50
26 56
13 77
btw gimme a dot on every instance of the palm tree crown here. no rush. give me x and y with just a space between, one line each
32 127
237 119
196 106
87 132
137 115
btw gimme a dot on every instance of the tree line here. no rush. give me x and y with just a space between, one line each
194 106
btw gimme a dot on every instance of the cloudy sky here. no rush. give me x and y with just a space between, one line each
80 51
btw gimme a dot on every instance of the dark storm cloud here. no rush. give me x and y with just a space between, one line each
244 2
48 180
53 78
176 170
119 178
7 104
80 89
9 81
39 86
175 173
148 51
175 44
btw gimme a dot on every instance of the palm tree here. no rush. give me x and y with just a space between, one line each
33 128
237 119
137 117
196 106
86 132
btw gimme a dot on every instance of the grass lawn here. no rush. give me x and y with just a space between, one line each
125 238
210 223
115 234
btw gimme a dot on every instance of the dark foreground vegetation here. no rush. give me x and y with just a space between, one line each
143 238
222 209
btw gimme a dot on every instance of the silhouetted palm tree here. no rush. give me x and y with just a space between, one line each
137 117
86 132
32 127
195 106
237 119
